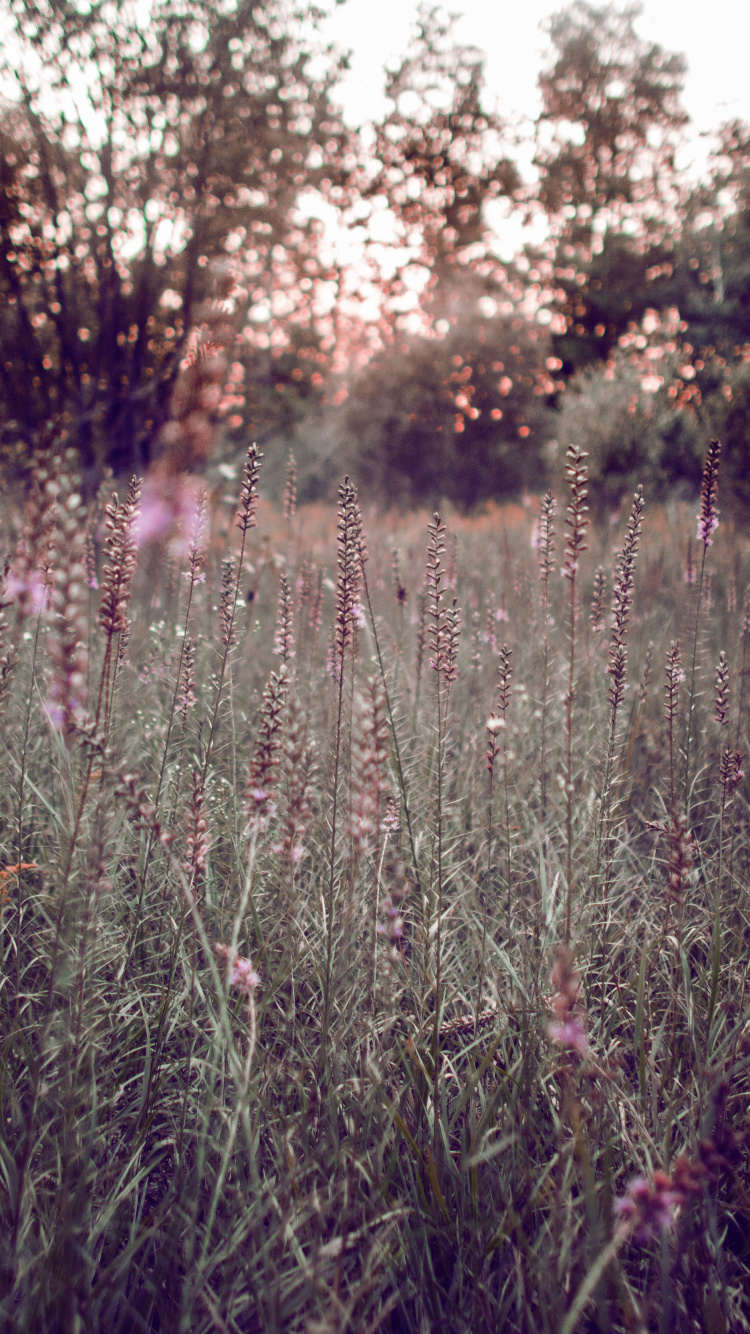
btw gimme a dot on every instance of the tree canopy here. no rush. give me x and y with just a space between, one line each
173 181
135 151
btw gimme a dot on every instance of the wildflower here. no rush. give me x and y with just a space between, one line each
721 699
227 604
11 872
30 593
240 972
395 928
545 545
283 645
675 676
263 766
290 489
687 1177
391 823
598 600
248 502
708 515
196 550
570 1034
568 1028
186 697
316 605
196 843
649 1206
25 582
168 505
576 474
122 547
504 687
392 928
731 772
91 578
304 583
351 557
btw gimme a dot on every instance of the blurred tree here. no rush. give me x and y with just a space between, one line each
637 426
441 159
614 103
711 273
606 142
462 417
453 403
134 150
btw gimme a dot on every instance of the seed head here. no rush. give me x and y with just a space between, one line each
248 507
227 602
721 696
576 475
284 642
290 489
649 1206
708 515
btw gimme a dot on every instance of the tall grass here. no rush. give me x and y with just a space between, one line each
358 991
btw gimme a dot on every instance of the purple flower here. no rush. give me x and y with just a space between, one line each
570 1034
649 1206
240 972
31 591
707 524
243 976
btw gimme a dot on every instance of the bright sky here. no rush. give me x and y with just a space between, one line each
715 37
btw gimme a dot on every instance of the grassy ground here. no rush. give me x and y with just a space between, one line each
375 951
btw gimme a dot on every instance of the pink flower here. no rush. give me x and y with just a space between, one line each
707 524
169 505
155 518
55 714
649 1205
240 972
31 592
243 976
570 1034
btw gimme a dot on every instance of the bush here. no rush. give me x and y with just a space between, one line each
631 435
462 416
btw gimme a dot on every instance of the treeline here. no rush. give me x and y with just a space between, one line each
169 288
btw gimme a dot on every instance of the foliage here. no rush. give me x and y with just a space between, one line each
131 156
463 416
630 234
630 433
615 101
268 1069
440 158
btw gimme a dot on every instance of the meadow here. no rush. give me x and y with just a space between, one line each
375 918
